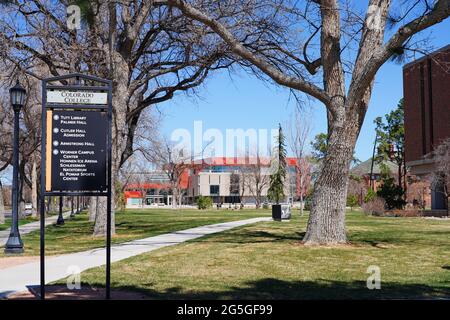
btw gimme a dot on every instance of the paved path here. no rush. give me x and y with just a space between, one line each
17 278
30 227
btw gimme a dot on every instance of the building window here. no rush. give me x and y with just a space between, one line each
214 190
234 184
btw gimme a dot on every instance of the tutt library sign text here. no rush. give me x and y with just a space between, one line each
77 97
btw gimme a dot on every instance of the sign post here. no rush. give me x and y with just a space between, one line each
76 147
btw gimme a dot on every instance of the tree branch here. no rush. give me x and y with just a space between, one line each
235 45
440 12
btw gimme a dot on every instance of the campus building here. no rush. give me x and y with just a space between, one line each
151 189
226 180
365 169
426 85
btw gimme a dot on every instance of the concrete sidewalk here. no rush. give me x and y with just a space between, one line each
16 279
30 227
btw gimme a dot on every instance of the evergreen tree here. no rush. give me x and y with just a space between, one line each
391 193
319 146
391 141
276 189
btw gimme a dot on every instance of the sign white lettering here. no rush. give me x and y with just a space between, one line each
77 97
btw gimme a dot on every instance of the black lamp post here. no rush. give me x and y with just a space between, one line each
60 220
373 160
14 243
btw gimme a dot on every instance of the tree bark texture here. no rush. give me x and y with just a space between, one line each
2 206
92 208
34 195
119 137
326 223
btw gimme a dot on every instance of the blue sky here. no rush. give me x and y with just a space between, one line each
246 102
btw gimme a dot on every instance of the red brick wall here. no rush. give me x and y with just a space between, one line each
426 89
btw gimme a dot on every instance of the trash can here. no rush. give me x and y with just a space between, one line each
276 212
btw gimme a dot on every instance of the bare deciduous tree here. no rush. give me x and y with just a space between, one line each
357 187
298 137
34 192
257 178
93 210
149 52
172 161
440 179
2 205
348 49
417 192
29 138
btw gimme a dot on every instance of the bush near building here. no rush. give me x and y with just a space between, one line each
352 201
374 206
393 194
204 202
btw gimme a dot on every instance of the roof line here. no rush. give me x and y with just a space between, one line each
427 56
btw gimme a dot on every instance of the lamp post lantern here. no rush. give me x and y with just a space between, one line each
14 244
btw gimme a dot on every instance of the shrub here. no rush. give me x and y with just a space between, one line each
352 201
370 195
265 205
392 194
204 202
121 201
374 207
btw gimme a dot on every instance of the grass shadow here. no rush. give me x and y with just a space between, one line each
244 236
270 288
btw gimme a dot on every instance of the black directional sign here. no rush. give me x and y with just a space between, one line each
78 150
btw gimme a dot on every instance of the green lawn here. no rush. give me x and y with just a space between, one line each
267 261
76 234
7 224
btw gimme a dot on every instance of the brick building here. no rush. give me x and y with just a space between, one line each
426 86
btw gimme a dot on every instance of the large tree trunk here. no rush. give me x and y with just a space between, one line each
258 199
100 218
48 205
34 196
174 197
119 136
2 206
301 194
405 176
326 223
92 208
22 213
101 213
